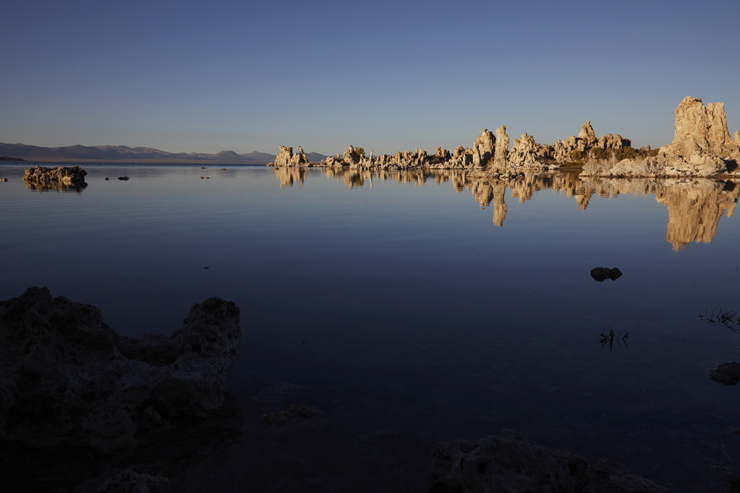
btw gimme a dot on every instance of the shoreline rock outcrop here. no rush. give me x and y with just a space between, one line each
286 158
67 379
701 146
513 463
61 179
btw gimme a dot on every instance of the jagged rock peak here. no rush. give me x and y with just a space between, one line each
587 133
701 130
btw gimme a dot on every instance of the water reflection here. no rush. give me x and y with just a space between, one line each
55 187
695 206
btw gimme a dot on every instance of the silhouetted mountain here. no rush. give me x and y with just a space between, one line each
107 154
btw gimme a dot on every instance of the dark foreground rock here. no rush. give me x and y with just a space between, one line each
726 373
601 274
66 378
80 403
60 179
511 463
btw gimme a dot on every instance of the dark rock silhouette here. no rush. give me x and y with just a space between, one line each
601 274
513 463
726 373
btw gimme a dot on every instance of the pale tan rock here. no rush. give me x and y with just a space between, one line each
587 134
483 148
525 151
502 148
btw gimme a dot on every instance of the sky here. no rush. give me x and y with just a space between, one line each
385 75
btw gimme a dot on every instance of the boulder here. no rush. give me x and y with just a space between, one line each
60 179
601 274
67 379
726 373
512 463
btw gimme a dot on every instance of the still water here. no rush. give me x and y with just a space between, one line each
414 308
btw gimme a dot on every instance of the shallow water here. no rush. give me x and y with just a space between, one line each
413 308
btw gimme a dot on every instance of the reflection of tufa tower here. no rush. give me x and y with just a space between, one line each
694 209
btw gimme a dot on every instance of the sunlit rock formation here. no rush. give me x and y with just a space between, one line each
67 379
512 463
286 158
701 146
61 179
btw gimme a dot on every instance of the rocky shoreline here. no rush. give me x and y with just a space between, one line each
702 146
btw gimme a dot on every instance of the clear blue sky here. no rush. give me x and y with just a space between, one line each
385 75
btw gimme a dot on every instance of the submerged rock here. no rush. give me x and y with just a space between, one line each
67 379
130 481
294 411
726 373
601 274
513 463
60 179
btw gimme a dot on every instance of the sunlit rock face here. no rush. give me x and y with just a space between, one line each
701 146
61 179
286 158
483 148
67 379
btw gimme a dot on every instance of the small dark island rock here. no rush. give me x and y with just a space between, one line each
62 178
67 379
726 373
601 274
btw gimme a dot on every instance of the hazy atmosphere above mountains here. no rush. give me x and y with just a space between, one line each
387 76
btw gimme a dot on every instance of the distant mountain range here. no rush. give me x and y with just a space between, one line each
124 154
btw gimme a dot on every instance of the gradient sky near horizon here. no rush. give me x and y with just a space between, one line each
385 75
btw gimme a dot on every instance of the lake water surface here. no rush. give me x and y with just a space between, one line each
414 308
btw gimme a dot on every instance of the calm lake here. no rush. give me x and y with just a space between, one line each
411 308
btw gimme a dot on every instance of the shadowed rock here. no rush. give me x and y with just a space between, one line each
601 274
726 373
67 379
511 463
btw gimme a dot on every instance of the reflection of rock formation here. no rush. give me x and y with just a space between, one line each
61 179
288 176
694 209
695 206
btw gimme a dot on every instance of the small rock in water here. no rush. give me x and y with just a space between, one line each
3 179
106 178
726 373
294 411
123 178
601 274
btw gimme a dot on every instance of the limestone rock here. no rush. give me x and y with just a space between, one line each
483 148
587 134
525 151
130 481
512 463
726 373
502 148
609 476
59 179
68 379
286 158
505 463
